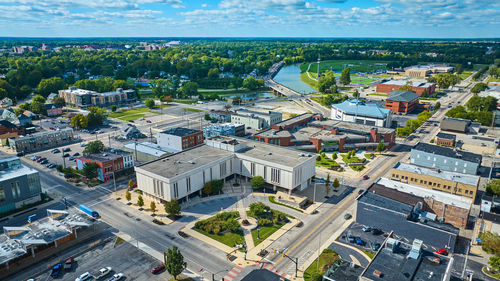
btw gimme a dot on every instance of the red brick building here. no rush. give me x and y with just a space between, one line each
420 88
402 102
53 109
9 130
445 139
108 163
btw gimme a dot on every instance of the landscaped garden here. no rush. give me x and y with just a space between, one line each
324 161
222 227
268 221
350 158
327 258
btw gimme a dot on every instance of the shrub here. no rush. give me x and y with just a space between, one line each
264 222
334 156
257 182
213 187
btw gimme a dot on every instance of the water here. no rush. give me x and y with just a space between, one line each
289 76
256 95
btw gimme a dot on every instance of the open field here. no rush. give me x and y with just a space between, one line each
465 74
338 65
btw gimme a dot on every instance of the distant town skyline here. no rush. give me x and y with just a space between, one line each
251 18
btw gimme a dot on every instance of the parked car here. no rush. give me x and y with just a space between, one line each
36 157
361 191
71 158
68 264
377 231
367 228
51 165
66 155
83 144
66 149
103 272
365 177
44 161
76 154
157 268
117 277
52 128
148 121
351 239
56 270
442 251
347 216
40 159
359 241
84 276
19 154
375 246
55 150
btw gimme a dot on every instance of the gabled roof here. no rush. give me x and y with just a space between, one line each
359 108
7 124
402 96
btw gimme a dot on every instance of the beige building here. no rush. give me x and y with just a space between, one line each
85 98
445 181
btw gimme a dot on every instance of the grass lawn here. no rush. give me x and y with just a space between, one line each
186 101
355 65
369 155
493 79
265 231
122 113
132 117
352 159
272 200
364 80
465 74
326 162
192 109
326 260
145 94
358 168
378 94
230 238
370 254
311 82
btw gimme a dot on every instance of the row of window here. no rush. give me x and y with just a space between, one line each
432 184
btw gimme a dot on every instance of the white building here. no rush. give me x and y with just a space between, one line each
185 173
256 120
358 112
178 139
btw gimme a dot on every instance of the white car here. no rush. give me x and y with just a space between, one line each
117 277
84 276
103 272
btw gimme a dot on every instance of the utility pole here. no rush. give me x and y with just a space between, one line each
317 74
109 139
114 181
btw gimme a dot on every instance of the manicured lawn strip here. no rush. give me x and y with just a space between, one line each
326 260
265 231
122 113
132 117
465 74
272 200
192 109
378 94
305 78
358 168
370 254
493 79
369 155
229 238
352 159
186 101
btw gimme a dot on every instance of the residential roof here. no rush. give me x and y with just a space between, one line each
454 124
437 173
7 124
448 152
491 217
446 198
52 105
442 135
359 108
403 82
402 96
180 131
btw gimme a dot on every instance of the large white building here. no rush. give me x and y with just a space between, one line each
256 120
185 173
358 112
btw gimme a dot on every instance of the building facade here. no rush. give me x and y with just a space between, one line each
41 140
179 139
437 179
445 139
420 88
447 159
53 109
19 185
256 120
183 175
109 163
228 129
402 102
85 98
358 112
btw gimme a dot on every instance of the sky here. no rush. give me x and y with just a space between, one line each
251 18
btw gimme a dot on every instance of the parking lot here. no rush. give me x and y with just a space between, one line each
124 258
57 158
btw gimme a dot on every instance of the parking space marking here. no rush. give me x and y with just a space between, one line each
354 260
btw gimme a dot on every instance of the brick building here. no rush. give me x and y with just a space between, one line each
445 139
402 102
109 162
42 140
10 130
420 88
179 139
53 109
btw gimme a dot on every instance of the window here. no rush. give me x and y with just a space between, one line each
188 184
459 190
466 191
421 181
222 168
13 190
2 193
176 190
275 175
439 185
252 169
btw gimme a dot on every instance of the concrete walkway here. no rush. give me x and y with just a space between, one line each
247 232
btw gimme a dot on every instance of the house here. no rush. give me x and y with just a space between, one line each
53 109
445 139
402 102
51 97
6 102
444 158
23 120
8 114
357 111
131 132
9 130
185 173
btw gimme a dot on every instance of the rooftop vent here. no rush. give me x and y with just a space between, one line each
377 273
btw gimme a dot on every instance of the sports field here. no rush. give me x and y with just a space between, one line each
338 65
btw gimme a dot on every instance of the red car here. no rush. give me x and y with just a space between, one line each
365 177
68 264
157 268
40 159
148 121
442 251
52 128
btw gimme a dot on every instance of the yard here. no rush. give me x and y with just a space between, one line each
222 227
264 232
192 109
326 260
268 220
352 159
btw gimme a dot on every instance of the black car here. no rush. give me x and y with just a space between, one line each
19 154
66 155
76 154
377 231
66 149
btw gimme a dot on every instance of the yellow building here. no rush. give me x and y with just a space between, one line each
449 182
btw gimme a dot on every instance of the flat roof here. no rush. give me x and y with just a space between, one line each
396 265
437 173
295 119
403 82
448 152
180 131
403 96
357 107
343 125
14 173
447 198
104 156
148 148
442 135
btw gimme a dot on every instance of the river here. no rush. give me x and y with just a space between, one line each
289 76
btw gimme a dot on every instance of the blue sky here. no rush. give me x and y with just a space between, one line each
251 18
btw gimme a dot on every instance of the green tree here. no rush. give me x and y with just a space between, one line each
90 170
336 183
113 107
128 196
152 206
59 101
39 99
437 106
94 147
140 201
150 103
79 121
207 117
172 208
334 156
236 100
445 80
189 89
213 73
407 86
326 81
493 187
174 262
257 182
327 181
345 76
494 262
253 84
50 85
380 147
479 87
96 116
